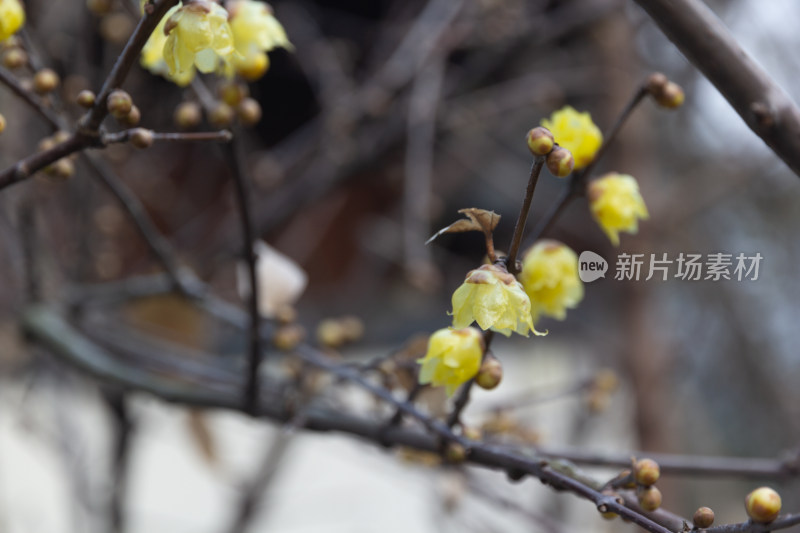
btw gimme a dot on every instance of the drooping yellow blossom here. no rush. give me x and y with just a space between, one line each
616 204
576 132
255 32
550 279
453 357
495 300
152 57
12 17
198 35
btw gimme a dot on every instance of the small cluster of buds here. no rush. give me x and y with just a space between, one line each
666 93
63 168
14 55
121 106
221 114
559 160
336 332
645 473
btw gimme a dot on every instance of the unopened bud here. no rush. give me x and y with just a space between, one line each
540 141
671 96
221 115
560 162
14 58
655 83
703 518
45 81
249 112
352 328
99 7
119 104
454 452
187 115
2 123
133 117
763 505
141 138
287 337
649 498
86 98
330 333
233 93
490 374
64 168
646 472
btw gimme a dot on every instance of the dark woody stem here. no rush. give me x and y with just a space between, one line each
519 228
577 181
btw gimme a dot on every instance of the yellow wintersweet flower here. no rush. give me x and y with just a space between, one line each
255 32
453 357
550 278
495 300
152 57
576 132
198 35
616 204
12 17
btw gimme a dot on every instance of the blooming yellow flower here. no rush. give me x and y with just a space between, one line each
616 204
576 132
255 32
550 279
198 35
12 17
453 357
495 300
152 57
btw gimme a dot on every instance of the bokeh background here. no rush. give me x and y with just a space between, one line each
385 119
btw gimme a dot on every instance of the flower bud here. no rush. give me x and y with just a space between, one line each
330 333
649 498
98 7
671 96
646 472
352 328
132 118
119 104
64 168
86 98
249 112
141 138
560 162
703 518
233 93
14 57
287 337
490 374
2 123
540 141
187 115
454 452
609 515
763 505
221 115
45 81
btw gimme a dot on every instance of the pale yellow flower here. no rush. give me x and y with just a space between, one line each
198 35
255 32
576 132
12 17
616 204
453 357
550 278
495 300
152 57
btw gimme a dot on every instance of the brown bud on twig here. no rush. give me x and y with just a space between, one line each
454 452
655 83
560 162
187 115
14 57
646 472
221 115
490 374
249 112
671 97
86 98
649 498
141 138
540 141
2 123
133 117
703 518
119 104
45 81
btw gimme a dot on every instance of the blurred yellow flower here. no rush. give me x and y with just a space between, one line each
576 132
495 300
255 32
12 17
550 278
454 357
152 57
616 204
198 35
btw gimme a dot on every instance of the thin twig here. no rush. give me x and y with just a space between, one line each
123 429
241 185
519 227
33 101
222 136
